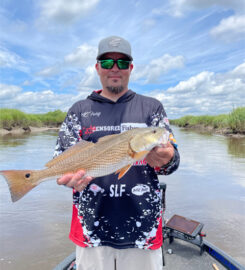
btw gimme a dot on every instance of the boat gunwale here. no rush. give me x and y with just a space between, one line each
226 260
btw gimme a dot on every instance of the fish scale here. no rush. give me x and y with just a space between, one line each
85 159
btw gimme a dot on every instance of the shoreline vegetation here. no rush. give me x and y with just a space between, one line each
16 121
232 124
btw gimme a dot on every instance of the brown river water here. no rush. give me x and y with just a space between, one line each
209 186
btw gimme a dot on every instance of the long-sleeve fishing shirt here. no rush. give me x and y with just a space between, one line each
125 213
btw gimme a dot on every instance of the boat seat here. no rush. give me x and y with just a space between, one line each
186 229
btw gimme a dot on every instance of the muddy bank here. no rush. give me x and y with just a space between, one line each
212 130
200 128
21 130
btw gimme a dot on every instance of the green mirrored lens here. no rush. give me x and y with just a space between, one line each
107 63
122 64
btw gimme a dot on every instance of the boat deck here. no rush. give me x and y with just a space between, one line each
187 256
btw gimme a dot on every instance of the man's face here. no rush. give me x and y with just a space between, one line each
115 80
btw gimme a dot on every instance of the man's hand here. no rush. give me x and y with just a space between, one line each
76 180
160 156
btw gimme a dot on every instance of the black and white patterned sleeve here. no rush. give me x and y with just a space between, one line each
69 133
159 118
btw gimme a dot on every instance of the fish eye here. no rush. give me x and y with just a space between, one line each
154 131
27 175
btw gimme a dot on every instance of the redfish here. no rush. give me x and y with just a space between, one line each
111 154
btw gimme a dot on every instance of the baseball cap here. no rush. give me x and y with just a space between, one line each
114 44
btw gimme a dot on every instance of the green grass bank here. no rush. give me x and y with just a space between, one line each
233 122
12 118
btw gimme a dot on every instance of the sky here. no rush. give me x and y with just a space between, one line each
189 54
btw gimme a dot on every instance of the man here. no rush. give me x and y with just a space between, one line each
117 224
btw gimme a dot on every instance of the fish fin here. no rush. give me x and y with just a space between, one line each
140 155
123 171
130 152
19 182
69 152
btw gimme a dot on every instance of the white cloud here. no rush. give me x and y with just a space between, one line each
49 71
195 83
81 56
90 79
180 7
10 59
230 29
27 83
66 12
239 71
7 92
157 67
12 96
148 24
205 93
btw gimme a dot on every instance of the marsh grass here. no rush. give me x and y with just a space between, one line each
234 121
12 118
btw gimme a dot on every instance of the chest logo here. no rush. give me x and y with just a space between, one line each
90 114
140 189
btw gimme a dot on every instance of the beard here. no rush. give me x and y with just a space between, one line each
115 89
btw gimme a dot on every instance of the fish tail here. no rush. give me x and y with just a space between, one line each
20 182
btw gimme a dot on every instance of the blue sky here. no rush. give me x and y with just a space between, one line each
189 54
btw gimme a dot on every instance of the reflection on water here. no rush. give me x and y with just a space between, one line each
209 187
12 139
236 147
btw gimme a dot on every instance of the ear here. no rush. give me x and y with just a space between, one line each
131 67
97 67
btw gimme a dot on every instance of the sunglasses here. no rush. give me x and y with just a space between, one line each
109 63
